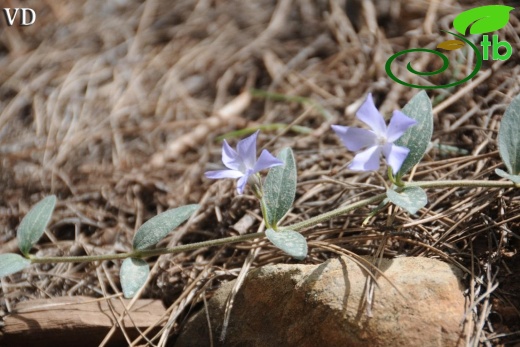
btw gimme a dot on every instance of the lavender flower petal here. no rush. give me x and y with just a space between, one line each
246 149
395 155
398 125
355 138
369 114
230 157
367 160
241 184
223 174
266 161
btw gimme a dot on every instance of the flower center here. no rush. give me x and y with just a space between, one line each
382 140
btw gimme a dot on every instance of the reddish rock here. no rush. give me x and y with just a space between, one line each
418 302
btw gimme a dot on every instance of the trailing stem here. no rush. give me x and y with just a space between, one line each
296 226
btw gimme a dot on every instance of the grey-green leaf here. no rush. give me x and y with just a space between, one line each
11 263
483 19
412 199
34 223
502 173
280 188
291 242
133 275
509 137
416 138
155 229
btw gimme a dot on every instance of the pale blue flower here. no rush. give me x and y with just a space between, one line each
242 163
376 141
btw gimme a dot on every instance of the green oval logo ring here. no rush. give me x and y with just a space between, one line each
445 65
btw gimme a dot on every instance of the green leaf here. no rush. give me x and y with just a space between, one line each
412 199
502 173
291 242
508 137
280 188
133 275
155 229
34 223
11 263
483 19
416 138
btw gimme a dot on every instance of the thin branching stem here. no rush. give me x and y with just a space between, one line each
461 184
334 213
297 226
147 253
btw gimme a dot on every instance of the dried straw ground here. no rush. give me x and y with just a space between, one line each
115 107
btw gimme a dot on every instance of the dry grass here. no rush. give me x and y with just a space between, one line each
115 106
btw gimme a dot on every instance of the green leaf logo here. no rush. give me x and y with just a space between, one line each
482 19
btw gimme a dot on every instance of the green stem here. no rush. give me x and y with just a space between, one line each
391 175
461 184
263 207
334 213
79 259
146 253
297 226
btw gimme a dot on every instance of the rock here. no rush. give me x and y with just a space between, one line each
323 305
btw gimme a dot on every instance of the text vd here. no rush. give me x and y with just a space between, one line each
27 15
